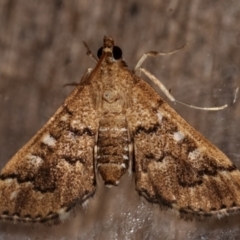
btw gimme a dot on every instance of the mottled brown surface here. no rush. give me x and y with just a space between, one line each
40 46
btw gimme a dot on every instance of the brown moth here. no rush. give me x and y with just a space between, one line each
111 123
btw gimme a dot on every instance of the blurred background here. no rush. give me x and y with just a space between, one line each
41 50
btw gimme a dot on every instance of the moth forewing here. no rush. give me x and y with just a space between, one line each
176 166
54 169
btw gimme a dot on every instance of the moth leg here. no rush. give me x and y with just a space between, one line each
158 83
86 75
153 54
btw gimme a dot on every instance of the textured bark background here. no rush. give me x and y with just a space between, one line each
41 49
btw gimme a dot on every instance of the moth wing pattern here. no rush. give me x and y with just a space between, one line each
57 163
175 165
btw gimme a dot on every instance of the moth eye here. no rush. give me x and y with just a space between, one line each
99 52
117 52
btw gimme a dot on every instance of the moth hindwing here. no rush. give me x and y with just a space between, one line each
113 122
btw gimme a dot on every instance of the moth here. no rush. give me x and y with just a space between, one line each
114 122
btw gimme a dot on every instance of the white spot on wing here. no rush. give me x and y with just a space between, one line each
103 129
160 116
125 157
49 140
194 155
35 160
123 165
77 124
121 129
8 180
14 194
178 136
74 122
64 118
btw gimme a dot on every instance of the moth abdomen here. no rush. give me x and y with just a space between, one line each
113 151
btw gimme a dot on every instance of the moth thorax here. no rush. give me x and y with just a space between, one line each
112 149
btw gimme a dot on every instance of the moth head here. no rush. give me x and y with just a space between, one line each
110 50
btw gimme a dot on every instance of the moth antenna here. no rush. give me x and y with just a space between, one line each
89 52
203 108
155 54
170 96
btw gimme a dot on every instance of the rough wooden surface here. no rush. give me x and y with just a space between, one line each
41 49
